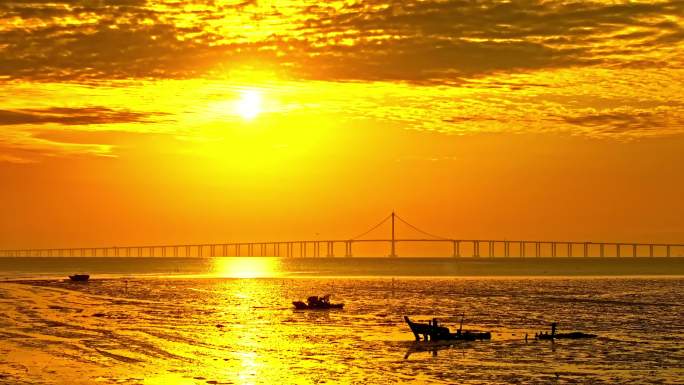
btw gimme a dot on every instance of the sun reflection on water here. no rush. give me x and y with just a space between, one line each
246 267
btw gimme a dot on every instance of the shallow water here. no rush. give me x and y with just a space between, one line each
251 267
180 330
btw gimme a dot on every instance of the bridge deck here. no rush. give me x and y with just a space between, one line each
303 248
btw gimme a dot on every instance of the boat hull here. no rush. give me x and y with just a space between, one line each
566 336
433 332
79 277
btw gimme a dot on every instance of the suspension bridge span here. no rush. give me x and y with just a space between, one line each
332 247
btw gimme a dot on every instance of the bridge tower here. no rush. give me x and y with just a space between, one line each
393 241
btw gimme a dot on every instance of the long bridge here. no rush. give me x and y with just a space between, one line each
317 248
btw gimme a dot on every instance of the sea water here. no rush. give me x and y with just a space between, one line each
231 321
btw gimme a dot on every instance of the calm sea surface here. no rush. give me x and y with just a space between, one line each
230 321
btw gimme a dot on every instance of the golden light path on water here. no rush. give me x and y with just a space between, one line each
246 267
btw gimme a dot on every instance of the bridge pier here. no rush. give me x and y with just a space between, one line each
521 247
617 250
331 251
457 249
348 249
476 249
668 254
634 251
586 249
601 250
650 251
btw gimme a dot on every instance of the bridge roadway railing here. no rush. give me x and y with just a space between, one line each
319 248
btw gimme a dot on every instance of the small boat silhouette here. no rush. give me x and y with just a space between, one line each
560 336
79 277
317 303
432 331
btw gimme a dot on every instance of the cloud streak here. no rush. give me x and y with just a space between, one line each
70 116
623 121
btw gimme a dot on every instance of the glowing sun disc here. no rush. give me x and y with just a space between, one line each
249 104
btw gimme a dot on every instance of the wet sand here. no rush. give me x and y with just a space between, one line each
244 331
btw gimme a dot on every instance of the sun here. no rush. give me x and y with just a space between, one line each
249 104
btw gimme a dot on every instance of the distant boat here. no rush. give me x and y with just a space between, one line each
567 336
561 336
431 331
317 303
79 277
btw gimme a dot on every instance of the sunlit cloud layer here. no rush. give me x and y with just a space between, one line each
380 40
601 69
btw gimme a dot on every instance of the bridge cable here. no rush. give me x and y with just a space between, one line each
372 228
421 231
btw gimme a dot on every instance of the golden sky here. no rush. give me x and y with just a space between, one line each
142 122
